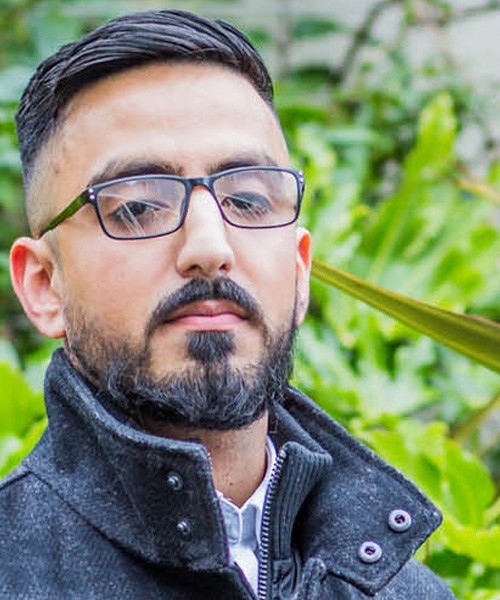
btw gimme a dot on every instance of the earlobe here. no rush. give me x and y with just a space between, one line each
32 271
303 273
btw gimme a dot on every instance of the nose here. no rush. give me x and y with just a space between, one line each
205 249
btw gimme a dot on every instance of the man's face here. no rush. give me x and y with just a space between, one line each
190 120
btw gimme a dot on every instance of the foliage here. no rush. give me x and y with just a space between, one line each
479 339
22 413
430 240
390 200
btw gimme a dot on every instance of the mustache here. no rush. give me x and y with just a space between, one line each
198 289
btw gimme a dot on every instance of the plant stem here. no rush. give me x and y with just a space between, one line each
361 35
475 185
493 512
462 432
284 37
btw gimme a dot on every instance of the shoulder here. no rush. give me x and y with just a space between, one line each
14 488
23 539
413 582
24 501
17 485
32 516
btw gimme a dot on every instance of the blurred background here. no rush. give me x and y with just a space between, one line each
391 107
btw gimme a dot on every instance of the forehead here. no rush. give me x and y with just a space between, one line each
190 115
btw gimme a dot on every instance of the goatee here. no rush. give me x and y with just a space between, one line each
211 394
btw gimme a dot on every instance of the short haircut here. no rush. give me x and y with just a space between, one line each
123 43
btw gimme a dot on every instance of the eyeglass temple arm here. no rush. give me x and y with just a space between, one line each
69 211
302 182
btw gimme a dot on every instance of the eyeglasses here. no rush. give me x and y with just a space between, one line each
149 206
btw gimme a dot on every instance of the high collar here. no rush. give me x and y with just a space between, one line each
155 498
353 504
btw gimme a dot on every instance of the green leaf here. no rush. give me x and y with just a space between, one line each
308 77
468 490
9 445
309 27
474 337
483 595
259 36
481 545
20 406
426 163
436 137
18 449
350 136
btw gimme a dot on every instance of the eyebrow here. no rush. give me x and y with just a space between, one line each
244 160
118 169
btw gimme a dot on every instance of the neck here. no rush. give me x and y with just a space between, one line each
238 457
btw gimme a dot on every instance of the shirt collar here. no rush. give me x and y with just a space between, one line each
248 518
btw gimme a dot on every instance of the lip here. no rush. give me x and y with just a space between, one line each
208 315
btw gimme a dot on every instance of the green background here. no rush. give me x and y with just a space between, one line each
392 197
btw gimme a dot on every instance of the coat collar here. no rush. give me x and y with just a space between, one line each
155 497
353 503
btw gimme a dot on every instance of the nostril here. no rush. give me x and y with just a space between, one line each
205 253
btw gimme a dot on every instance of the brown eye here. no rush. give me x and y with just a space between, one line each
246 204
135 211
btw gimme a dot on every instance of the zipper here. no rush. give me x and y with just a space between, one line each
264 562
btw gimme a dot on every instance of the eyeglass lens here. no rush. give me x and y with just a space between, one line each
154 205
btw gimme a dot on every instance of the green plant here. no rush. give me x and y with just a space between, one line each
376 375
22 413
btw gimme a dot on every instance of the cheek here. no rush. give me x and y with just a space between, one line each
269 266
112 284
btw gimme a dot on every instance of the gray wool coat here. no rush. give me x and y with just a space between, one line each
102 510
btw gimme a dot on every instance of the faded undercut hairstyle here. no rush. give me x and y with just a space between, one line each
123 43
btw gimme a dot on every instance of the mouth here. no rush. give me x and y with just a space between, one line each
208 315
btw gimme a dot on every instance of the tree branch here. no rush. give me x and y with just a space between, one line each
463 431
424 17
361 35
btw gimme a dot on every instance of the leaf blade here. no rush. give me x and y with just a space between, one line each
474 337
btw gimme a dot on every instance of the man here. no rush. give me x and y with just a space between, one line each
177 462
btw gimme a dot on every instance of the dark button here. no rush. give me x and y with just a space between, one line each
370 552
175 481
399 520
184 527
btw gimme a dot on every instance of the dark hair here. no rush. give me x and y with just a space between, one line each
123 43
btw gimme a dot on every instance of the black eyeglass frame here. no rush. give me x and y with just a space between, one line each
89 196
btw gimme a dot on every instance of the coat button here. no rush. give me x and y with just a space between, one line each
399 521
174 480
184 527
370 552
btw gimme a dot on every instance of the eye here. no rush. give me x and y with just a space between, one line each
139 217
141 207
137 211
246 204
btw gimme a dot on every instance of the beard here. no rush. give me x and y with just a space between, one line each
209 393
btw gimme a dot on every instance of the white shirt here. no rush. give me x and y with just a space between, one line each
243 524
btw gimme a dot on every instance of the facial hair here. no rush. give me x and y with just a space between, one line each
209 394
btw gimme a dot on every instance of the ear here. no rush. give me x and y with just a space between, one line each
303 273
34 275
